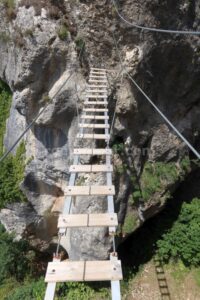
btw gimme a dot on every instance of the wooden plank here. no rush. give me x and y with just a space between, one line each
78 191
103 190
103 270
96 151
70 220
96 96
96 103
101 168
65 271
98 73
96 190
97 80
101 117
80 168
101 136
100 91
104 77
85 151
90 168
83 271
100 126
102 152
101 220
103 86
95 110
93 117
93 136
87 220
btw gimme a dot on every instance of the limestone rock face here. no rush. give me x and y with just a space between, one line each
36 62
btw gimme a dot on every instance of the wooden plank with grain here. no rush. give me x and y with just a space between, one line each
65 271
103 190
73 220
103 270
99 220
78 191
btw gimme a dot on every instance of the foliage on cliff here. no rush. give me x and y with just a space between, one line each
12 168
11 175
182 241
5 103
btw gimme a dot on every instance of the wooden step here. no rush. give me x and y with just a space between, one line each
102 190
87 220
93 136
90 168
95 151
93 86
102 152
95 110
97 80
98 76
92 117
63 271
96 91
96 102
96 96
90 190
97 126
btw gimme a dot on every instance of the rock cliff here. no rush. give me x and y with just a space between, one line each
39 48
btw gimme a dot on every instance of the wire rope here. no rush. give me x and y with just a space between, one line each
169 31
196 153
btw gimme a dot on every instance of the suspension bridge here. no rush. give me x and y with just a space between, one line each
94 118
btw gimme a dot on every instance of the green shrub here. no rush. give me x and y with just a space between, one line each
13 262
10 9
182 240
29 291
156 176
79 43
129 223
11 175
118 148
5 103
83 291
63 32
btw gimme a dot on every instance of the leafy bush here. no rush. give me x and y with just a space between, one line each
11 175
156 176
118 148
10 8
83 291
182 240
13 262
79 43
12 168
129 223
63 32
31 290
5 103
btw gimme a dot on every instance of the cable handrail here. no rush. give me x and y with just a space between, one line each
196 153
154 29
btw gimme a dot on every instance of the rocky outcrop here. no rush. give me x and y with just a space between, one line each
36 62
